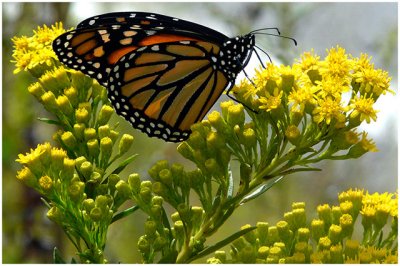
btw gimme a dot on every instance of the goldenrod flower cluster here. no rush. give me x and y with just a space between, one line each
35 53
81 189
326 239
299 115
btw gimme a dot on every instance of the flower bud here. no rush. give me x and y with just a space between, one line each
86 169
368 217
96 214
263 252
114 135
79 130
236 115
64 105
36 90
150 229
104 131
88 204
335 234
55 215
324 213
336 253
284 232
27 177
79 161
299 218
324 243
76 190
106 146
196 141
351 248
303 234
185 150
145 194
273 235
292 133
69 140
45 183
82 115
72 95
159 243
123 189
249 138
220 255
57 158
248 255
217 122
166 176
262 232
89 133
49 101
143 244
105 114
134 182
125 143
317 229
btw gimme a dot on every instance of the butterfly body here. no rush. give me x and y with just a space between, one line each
163 74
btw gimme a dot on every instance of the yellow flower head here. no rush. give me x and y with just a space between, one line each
327 110
336 64
308 61
363 108
30 52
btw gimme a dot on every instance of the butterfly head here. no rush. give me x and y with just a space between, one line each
236 52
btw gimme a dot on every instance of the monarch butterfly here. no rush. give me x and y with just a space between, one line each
163 74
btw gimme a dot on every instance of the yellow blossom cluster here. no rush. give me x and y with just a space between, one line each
338 90
35 50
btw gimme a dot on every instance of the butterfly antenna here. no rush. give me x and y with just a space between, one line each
273 28
277 35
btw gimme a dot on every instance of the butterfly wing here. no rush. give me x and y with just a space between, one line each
163 89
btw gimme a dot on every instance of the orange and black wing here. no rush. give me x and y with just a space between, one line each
162 89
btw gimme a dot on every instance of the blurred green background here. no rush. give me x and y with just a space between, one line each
28 237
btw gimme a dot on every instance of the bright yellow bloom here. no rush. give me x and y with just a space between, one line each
45 182
363 107
35 154
368 144
308 61
327 110
35 50
337 65
300 97
271 102
331 86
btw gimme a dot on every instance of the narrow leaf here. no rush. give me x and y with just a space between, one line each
124 164
260 190
220 244
124 213
49 121
57 257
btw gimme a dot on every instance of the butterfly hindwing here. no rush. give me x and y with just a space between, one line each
163 97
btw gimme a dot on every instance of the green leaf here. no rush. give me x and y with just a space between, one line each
220 244
49 121
260 190
124 164
57 257
124 213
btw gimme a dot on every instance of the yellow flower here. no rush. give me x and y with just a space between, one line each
363 107
30 52
368 144
373 80
45 182
337 64
331 86
327 110
301 96
36 158
271 102
308 61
